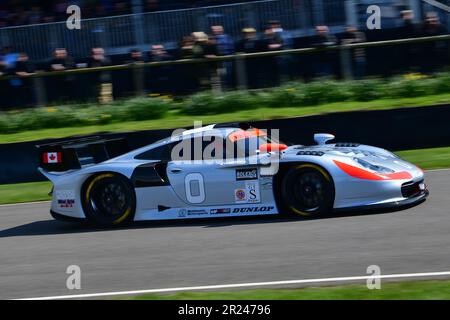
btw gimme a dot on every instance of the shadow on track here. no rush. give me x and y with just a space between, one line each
54 227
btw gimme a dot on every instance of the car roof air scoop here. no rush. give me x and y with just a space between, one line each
322 138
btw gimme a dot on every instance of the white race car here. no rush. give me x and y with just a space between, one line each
222 170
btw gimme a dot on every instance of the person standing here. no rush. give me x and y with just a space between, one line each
358 55
186 82
8 60
408 52
131 81
225 46
62 84
102 78
9 57
323 60
21 86
206 47
272 41
61 61
276 27
160 76
249 43
434 53
284 61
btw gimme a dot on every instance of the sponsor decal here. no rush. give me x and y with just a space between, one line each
246 174
250 194
65 198
51 157
253 195
220 211
196 212
66 203
253 209
240 195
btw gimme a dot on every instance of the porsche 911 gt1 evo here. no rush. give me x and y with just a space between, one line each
246 172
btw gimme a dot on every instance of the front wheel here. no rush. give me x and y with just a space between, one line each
108 199
307 190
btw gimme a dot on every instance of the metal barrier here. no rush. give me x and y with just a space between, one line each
119 33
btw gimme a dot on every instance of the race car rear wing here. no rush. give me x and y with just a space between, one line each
75 154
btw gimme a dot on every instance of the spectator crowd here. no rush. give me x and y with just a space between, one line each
187 78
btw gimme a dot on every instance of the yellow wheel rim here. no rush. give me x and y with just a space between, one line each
323 172
89 188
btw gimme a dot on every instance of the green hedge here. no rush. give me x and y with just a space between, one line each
316 93
208 103
83 115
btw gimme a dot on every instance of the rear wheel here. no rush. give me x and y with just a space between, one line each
108 199
307 190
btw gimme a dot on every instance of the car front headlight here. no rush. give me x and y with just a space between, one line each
373 167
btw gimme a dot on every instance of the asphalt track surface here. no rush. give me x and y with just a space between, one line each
35 250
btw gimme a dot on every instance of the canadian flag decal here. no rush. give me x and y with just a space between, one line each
51 157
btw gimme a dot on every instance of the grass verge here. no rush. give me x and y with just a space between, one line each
177 119
405 290
433 158
24 192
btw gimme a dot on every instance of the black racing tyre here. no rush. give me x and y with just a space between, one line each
108 199
307 190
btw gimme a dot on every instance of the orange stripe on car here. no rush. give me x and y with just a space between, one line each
360 173
268 147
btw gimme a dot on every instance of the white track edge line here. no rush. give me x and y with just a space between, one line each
242 285
433 170
24 203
